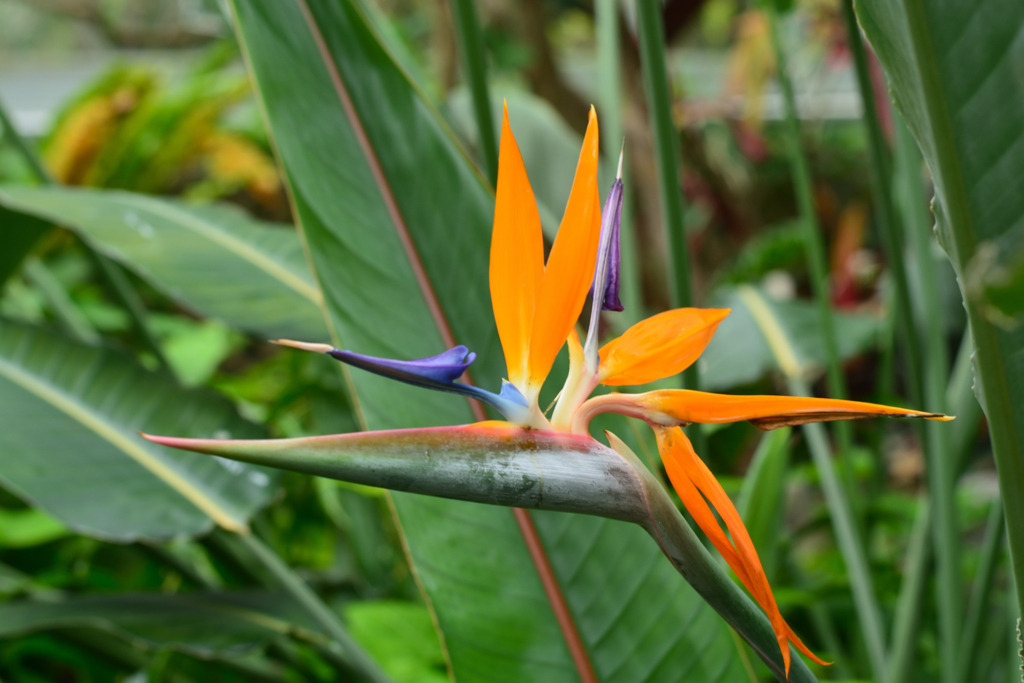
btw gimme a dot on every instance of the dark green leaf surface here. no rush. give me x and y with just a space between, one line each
201 624
398 221
82 408
20 233
211 258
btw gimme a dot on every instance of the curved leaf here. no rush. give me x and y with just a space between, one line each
21 234
530 469
83 408
211 258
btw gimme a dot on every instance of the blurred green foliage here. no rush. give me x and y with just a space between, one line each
200 136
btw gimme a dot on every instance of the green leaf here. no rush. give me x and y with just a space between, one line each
559 473
202 624
954 70
739 354
28 527
211 258
762 498
401 636
995 277
398 222
69 437
21 234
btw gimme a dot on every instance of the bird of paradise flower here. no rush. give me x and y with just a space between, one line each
536 308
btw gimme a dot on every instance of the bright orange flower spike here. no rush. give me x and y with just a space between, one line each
517 257
660 346
691 478
570 267
766 412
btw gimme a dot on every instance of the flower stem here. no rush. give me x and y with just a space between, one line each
666 148
471 45
813 243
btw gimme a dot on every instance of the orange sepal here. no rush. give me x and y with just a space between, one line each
694 477
517 257
767 412
570 268
660 346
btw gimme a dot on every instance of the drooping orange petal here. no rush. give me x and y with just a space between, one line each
517 257
675 447
570 268
793 638
660 346
766 412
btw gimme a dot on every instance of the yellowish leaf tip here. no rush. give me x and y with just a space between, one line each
305 346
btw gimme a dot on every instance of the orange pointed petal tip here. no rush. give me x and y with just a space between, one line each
570 268
517 257
765 412
691 478
660 346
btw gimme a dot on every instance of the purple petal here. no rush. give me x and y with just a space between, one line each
606 274
611 293
432 372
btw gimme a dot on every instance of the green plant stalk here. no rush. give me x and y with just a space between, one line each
471 45
963 403
118 283
610 99
71 319
850 544
352 653
889 226
973 626
941 467
814 244
910 602
116 280
992 368
666 150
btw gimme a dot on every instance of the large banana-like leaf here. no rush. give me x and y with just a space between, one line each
69 421
955 72
556 472
398 221
211 258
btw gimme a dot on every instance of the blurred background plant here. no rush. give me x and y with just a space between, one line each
155 98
